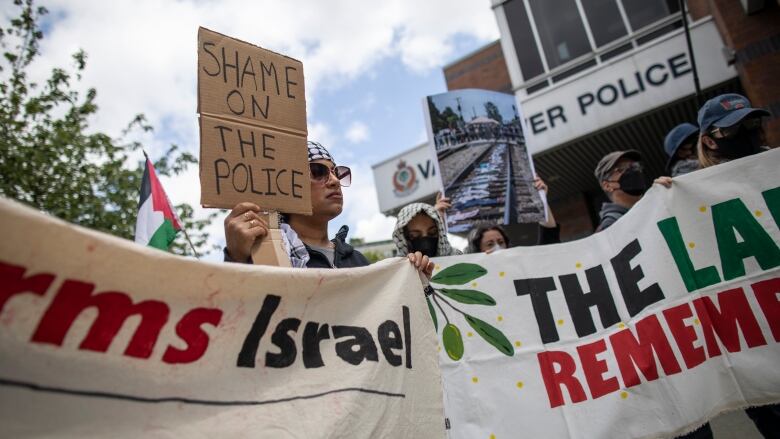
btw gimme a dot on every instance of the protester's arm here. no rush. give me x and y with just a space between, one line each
442 204
422 263
243 226
550 223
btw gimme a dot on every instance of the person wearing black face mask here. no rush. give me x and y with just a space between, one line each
730 129
420 228
620 176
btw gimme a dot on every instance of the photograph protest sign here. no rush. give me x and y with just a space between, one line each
252 108
477 138
102 338
647 329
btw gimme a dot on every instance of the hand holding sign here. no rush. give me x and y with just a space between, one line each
242 227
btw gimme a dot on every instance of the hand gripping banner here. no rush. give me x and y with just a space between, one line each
100 337
648 329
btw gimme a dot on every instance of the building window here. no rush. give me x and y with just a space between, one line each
560 29
605 21
523 39
644 12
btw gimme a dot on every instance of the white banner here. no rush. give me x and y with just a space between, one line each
101 337
648 329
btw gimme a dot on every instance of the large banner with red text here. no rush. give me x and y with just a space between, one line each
648 329
100 337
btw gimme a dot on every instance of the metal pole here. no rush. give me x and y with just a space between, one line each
696 84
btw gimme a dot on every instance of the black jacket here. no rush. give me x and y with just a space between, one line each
344 255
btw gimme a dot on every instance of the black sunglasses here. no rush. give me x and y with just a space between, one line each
750 123
321 173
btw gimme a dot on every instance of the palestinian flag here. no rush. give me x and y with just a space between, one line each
157 223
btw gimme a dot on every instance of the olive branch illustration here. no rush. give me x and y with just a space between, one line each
461 274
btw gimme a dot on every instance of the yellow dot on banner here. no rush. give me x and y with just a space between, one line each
473 284
696 321
578 265
475 380
492 436
470 334
702 209
758 213
624 395
560 322
518 344
691 244
500 318
519 384
438 348
621 325
501 274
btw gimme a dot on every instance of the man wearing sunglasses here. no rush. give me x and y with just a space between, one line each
622 180
307 236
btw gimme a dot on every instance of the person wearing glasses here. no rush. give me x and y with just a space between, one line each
730 129
306 236
621 178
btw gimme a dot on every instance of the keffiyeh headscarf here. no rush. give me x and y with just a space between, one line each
291 243
318 152
406 214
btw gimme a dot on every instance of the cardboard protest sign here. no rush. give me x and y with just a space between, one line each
252 109
104 338
647 329
477 138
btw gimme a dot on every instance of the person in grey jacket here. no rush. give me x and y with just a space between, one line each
621 178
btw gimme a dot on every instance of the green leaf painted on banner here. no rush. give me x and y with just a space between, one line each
491 335
453 342
459 274
433 314
471 297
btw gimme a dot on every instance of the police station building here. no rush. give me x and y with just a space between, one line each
593 76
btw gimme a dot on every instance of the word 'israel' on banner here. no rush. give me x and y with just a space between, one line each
252 109
648 329
103 338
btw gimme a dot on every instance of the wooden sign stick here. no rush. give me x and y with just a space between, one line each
270 251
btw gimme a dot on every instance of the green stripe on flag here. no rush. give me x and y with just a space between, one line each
163 236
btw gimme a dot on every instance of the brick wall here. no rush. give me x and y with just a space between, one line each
756 42
572 214
485 69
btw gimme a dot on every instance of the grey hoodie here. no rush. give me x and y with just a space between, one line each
610 212
406 214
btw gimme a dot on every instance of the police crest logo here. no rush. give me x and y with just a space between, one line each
404 180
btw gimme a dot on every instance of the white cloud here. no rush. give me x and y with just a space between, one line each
357 132
142 59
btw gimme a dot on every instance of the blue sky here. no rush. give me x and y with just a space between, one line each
368 65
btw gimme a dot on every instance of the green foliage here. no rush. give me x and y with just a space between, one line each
453 342
469 297
433 314
459 274
51 160
491 335
373 256
492 112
